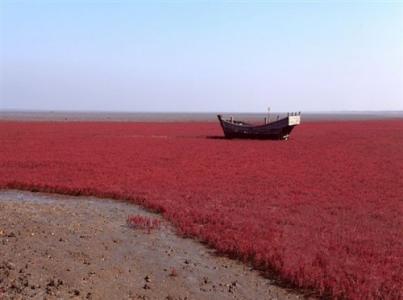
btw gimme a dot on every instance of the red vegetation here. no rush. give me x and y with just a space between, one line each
323 210
143 222
173 273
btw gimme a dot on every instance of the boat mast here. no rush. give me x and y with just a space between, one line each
268 115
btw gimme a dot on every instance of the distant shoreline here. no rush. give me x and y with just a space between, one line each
186 117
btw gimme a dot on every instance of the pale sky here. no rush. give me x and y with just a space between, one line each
201 56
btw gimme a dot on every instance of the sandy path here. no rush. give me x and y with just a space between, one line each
73 247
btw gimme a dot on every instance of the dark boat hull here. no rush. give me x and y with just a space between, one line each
277 130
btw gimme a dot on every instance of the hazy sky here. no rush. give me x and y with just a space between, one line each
201 55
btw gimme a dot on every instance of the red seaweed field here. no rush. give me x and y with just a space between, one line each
323 211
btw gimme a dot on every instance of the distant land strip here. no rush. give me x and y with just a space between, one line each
187 116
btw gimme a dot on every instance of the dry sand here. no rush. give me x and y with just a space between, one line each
57 247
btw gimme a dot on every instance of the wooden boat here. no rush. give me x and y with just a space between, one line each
279 129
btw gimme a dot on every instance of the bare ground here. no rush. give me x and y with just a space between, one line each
56 247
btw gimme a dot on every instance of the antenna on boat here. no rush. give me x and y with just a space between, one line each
268 115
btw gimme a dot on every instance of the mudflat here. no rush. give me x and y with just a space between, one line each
68 116
55 246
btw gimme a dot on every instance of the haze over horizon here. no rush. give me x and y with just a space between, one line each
201 56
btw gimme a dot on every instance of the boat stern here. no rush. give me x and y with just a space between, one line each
294 120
